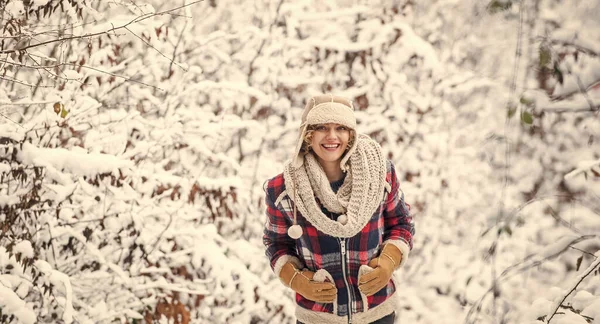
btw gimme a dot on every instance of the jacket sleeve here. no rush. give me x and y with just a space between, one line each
398 223
280 248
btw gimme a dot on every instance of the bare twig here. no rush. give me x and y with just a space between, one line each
560 110
562 221
126 78
584 252
21 82
530 261
579 47
582 88
177 46
262 44
163 231
584 275
45 69
133 21
154 48
527 263
1 114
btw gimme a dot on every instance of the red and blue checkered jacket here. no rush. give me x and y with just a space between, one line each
340 257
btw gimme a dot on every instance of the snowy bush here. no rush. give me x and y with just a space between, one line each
135 138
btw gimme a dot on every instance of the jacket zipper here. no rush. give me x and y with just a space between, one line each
343 246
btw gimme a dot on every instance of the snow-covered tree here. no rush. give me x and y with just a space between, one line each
135 138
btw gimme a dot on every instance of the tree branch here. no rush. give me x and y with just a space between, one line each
129 79
586 273
154 48
262 44
579 47
1 114
135 20
560 110
175 49
21 82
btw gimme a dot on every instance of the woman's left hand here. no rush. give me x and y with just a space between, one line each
384 266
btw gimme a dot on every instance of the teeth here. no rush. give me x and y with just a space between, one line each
331 145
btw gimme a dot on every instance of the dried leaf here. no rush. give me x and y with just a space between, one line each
64 112
579 262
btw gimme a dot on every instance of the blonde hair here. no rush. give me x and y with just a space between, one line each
306 148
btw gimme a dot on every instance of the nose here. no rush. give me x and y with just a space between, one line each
332 133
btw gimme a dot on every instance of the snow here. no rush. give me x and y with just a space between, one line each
582 166
10 131
582 299
580 78
72 74
9 200
539 308
150 189
569 318
575 37
14 8
592 310
24 248
37 3
324 15
12 304
77 162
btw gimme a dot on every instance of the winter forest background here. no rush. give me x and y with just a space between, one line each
135 136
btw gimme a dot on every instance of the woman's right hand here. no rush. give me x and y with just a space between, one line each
302 282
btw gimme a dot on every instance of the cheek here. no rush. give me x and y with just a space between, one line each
314 142
346 139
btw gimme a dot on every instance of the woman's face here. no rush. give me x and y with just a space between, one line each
329 142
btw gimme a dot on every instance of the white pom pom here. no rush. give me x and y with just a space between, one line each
343 219
295 232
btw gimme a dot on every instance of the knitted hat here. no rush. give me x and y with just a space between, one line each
325 109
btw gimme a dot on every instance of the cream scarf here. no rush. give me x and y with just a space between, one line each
358 198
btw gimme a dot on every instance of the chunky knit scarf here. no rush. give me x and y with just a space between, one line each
357 199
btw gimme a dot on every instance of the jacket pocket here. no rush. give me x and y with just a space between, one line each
323 275
363 270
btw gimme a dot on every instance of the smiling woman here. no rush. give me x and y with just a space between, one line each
337 224
329 142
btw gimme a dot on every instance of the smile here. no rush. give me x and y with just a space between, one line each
331 147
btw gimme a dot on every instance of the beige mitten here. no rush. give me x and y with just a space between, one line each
383 268
303 283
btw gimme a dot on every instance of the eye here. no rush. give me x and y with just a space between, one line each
342 128
320 128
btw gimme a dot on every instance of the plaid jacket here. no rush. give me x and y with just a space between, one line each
339 257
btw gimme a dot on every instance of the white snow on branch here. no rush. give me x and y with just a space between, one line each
581 76
56 277
162 283
24 248
582 166
78 163
328 15
575 282
225 85
26 102
10 303
9 200
58 231
574 37
576 104
12 131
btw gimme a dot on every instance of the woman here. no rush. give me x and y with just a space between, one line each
337 224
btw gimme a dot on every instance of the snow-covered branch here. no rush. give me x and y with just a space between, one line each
576 282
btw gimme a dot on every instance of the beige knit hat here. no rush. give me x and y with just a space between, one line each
324 109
